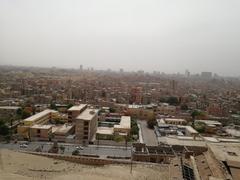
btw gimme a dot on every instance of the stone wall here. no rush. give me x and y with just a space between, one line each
82 159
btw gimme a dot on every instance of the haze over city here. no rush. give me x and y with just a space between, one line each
151 35
119 90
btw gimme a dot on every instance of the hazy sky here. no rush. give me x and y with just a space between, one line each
169 36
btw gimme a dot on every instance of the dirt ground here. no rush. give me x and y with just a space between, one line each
20 166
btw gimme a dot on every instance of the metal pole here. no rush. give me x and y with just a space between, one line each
131 161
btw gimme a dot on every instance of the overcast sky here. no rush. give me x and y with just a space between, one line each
169 36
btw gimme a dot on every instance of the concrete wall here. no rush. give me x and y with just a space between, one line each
111 143
82 160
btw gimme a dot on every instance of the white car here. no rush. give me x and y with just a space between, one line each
23 145
79 148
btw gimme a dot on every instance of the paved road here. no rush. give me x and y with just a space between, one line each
102 151
149 136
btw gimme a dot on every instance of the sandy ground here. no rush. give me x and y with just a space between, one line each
20 166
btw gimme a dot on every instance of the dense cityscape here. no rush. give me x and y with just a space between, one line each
186 122
119 90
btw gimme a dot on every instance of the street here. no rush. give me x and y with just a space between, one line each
149 137
101 151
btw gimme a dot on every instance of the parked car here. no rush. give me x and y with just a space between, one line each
79 148
23 145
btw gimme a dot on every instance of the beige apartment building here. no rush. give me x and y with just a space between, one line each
41 118
40 132
86 126
124 126
74 111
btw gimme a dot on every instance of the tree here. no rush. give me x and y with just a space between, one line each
62 148
151 123
134 127
173 100
26 113
75 152
194 114
198 114
184 107
112 110
50 136
4 130
53 106
200 127
19 112
118 138
69 106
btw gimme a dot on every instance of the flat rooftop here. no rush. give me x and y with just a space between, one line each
226 151
63 129
125 123
175 120
88 114
38 126
188 128
209 122
105 130
178 140
78 107
10 107
39 115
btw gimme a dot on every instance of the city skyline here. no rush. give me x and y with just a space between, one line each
149 35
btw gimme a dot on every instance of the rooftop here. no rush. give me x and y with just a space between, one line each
124 123
175 120
10 107
226 151
38 126
105 130
88 114
209 122
39 115
63 129
77 107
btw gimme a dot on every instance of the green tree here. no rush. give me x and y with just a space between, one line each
25 114
184 107
151 123
69 106
53 106
62 148
4 130
112 110
200 127
75 152
173 100
118 138
195 113
19 112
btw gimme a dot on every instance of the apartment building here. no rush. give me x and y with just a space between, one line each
124 127
86 126
140 112
74 111
40 132
166 109
41 118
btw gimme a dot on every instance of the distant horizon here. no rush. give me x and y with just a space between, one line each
152 35
114 70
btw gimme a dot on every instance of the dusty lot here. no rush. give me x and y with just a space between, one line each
15 165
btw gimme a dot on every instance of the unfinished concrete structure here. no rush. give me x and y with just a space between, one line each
163 153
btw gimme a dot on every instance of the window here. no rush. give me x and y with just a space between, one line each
38 131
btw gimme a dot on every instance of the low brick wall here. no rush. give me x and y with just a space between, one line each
111 143
81 159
